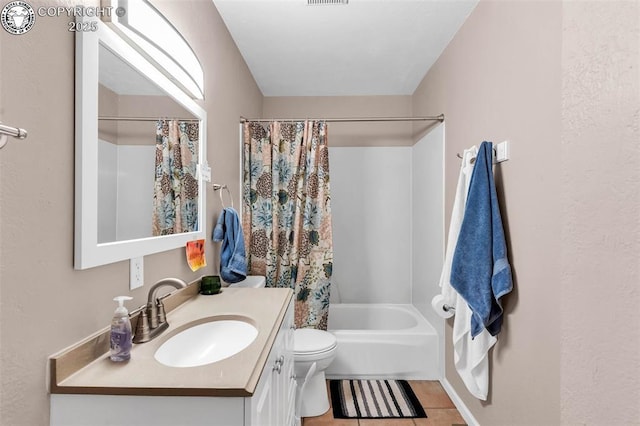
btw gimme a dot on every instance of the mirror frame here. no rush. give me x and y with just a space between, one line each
88 252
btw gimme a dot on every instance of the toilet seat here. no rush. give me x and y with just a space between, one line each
309 341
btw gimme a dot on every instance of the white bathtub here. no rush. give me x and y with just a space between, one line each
382 341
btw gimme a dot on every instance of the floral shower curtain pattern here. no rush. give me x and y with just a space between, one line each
287 212
175 198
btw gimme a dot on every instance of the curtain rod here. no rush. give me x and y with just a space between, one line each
439 118
145 119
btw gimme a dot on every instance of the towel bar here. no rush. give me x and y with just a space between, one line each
220 187
500 153
6 131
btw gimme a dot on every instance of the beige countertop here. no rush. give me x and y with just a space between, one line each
76 371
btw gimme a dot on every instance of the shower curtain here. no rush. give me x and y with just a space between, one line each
287 212
175 197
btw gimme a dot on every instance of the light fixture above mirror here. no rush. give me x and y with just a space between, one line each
149 32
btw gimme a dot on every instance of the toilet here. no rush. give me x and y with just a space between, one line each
313 352
311 347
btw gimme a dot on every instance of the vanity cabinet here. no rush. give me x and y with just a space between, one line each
271 404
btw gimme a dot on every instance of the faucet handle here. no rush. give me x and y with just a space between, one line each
142 328
153 315
162 317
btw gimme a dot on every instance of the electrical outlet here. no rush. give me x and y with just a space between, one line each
204 172
136 273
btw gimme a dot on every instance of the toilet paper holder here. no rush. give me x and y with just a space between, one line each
441 307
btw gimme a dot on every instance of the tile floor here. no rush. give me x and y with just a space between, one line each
435 401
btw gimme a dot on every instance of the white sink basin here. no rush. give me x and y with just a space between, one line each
206 343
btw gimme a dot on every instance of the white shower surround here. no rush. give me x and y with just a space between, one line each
125 179
371 219
388 234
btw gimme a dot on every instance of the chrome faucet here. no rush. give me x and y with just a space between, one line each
152 320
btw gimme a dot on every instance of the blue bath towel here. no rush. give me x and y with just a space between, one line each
480 271
233 261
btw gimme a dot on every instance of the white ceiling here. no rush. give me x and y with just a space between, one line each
367 47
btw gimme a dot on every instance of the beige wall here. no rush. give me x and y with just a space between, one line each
107 106
46 304
600 213
135 132
499 79
559 80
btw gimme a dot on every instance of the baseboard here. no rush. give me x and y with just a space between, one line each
460 405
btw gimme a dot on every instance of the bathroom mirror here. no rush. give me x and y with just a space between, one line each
125 109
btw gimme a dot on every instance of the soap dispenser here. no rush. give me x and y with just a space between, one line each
120 332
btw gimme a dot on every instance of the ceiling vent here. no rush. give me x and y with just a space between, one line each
326 2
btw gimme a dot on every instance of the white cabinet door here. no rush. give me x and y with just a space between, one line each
287 375
284 373
273 402
261 404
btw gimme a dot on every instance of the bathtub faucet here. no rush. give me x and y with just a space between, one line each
152 321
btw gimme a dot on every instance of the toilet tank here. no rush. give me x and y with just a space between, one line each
252 281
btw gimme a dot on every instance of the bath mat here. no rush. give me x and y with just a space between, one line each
374 399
